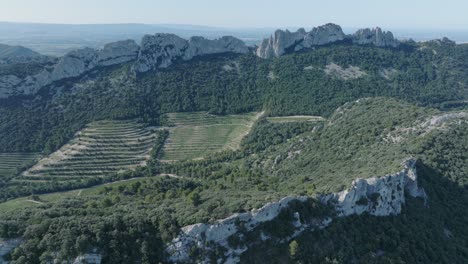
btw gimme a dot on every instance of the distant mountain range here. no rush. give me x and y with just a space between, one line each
58 39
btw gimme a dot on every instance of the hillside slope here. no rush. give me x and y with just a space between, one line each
202 191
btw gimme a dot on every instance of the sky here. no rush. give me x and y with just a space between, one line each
419 14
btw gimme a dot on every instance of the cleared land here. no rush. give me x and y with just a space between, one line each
51 197
10 162
195 135
102 148
299 118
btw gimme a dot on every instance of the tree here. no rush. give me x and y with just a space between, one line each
294 249
194 197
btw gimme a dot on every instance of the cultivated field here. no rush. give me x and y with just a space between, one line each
10 162
195 135
300 118
102 148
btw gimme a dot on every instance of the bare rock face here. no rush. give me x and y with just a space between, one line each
282 41
279 42
73 64
323 35
379 196
118 52
218 233
375 37
161 50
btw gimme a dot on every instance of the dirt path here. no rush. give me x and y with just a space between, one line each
32 201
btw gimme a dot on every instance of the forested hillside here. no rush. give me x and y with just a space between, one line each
365 138
429 74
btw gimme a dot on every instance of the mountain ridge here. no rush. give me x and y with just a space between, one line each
162 49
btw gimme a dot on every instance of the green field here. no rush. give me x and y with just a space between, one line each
301 118
11 162
195 135
102 148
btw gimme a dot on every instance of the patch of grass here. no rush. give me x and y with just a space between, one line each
300 118
24 202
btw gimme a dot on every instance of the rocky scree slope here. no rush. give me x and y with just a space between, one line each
282 42
378 196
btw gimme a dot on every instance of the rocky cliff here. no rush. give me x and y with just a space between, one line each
283 41
161 50
19 54
379 196
157 51
375 37
73 64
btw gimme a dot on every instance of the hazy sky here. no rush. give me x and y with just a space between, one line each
423 14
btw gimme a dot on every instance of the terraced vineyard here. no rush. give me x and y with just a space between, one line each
10 162
194 135
102 148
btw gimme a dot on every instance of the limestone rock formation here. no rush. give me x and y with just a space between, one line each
19 54
322 35
219 232
118 52
279 42
282 41
161 50
379 196
73 64
375 37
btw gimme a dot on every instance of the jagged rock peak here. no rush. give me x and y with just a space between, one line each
375 37
118 52
161 50
282 41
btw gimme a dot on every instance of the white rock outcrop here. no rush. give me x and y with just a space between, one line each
282 41
375 37
218 233
6 246
379 196
73 64
91 258
161 50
